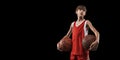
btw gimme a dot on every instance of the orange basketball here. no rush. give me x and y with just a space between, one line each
87 41
64 44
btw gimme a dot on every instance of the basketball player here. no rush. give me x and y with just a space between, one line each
79 29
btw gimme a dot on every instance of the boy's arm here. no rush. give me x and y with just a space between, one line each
70 30
67 35
97 34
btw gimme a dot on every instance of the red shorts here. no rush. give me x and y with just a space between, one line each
77 57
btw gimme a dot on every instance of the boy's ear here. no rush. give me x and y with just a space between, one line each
75 12
84 13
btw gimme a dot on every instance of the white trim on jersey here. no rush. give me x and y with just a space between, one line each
85 29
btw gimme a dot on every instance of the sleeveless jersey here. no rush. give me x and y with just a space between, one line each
78 33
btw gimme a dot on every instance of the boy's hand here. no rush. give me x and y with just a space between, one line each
93 45
58 45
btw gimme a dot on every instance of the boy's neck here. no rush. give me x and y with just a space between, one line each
80 18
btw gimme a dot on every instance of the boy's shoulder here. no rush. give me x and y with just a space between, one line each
72 24
88 21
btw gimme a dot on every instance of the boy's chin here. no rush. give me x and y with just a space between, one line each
81 17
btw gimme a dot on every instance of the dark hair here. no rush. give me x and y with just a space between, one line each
81 7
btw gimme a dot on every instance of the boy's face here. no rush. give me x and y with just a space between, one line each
80 13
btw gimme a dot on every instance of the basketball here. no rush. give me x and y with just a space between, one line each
87 41
64 44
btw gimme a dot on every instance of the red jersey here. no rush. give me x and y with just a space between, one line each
78 34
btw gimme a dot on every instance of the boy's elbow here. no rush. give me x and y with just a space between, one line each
98 33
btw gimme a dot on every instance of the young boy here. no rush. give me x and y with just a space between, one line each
79 29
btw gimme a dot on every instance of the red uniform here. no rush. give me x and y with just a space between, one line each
78 33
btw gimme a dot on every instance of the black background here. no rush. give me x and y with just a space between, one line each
103 16
39 25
